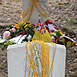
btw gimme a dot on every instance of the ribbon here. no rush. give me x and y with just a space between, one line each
44 59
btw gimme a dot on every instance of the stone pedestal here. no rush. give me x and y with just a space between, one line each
16 57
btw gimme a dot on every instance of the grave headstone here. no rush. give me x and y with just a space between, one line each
34 13
17 59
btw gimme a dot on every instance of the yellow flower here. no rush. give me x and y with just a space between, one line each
25 25
35 25
5 43
60 32
19 21
10 29
0 39
22 21
26 28
53 34
17 26
29 24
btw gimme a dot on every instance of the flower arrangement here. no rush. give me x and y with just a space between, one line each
18 29
26 28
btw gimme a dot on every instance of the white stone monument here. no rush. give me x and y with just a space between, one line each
16 57
31 13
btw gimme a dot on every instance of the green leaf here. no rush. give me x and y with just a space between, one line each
61 39
1 45
68 43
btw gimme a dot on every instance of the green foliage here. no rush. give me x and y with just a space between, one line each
6 6
12 34
65 19
1 45
68 44
9 11
6 44
58 34
30 31
57 1
62 40
72 21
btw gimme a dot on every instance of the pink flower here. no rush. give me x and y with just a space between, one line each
13 26
13 29
53 39
6 34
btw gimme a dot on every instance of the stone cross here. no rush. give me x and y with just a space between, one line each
34 11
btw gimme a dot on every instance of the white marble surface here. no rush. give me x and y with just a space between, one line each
16 60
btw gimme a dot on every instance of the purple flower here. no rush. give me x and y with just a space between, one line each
24 32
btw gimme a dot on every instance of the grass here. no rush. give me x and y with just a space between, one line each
9 11
73 27
1 66
7 6
65 19
72 21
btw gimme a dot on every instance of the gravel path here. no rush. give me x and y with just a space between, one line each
10 13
